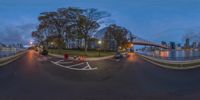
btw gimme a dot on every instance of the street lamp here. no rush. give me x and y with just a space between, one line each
131 48
132 45
52 43
99 42
31 42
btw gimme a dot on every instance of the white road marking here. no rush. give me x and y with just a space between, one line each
70 62
59 61
87 67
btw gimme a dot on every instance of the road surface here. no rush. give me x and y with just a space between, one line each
34 77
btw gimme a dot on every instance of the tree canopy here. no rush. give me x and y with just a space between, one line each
77 25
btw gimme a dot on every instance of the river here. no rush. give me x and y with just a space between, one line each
174 54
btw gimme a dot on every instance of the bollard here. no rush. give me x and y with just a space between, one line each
66 56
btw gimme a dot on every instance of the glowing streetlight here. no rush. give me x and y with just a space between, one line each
132 45
120 47
131 48
31 43
99 42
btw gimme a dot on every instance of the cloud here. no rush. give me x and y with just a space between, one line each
16 33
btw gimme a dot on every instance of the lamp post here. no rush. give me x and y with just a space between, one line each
31 43
131 48
99 42
52 43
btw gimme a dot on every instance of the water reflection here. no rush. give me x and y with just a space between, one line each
7 53
175 54
30 56
164 54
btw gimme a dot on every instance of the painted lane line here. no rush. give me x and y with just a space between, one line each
70 62
57 63
65 66
86 68
77 64
62 62
90 66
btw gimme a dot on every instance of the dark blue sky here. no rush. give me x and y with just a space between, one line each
154 20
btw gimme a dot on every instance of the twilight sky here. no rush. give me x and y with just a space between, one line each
154 20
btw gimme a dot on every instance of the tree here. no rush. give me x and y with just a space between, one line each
70 24
58 23
118 34
89 23
70 18
38 37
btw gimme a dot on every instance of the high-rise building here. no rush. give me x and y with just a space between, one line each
172 45
194 45
199 45
163 43
187 43
178 46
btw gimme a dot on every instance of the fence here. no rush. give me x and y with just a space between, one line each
5 52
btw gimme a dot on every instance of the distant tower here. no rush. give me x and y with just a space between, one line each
194 45
163 43
187 43
172 45
199 45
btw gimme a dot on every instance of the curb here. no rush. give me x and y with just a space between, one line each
87 59
167 66
7 60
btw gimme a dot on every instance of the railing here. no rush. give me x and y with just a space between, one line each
9 52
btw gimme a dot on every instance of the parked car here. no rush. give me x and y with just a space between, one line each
44 52
118 55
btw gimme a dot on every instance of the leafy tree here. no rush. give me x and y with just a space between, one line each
89 23
69 24
118 34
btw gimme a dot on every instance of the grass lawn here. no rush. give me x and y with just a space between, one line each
81 53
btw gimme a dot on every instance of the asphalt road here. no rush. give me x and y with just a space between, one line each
34 77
